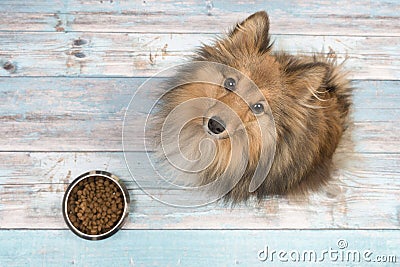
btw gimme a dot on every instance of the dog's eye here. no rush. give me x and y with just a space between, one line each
230 84
257 108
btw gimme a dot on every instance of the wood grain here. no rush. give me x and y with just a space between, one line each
86 54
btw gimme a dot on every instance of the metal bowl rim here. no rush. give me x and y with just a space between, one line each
124 215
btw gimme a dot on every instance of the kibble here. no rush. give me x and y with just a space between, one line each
95 205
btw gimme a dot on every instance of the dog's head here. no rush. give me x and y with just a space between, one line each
260 78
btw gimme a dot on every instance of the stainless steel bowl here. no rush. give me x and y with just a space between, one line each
113 179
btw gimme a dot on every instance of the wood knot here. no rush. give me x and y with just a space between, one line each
79 42
79 55
9 66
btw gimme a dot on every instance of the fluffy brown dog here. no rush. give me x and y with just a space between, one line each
294 106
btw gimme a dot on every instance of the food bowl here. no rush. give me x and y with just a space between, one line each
96 205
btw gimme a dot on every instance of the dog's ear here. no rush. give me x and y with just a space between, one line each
253 32
307 77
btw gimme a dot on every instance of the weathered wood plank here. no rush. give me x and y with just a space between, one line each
36 207
192 6
199 248
87 115
364 193
62 167
100 54
315 17
58 134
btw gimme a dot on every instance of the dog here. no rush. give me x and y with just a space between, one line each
240 112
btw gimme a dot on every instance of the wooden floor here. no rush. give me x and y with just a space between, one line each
68 69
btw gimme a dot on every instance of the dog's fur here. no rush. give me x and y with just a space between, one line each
309 97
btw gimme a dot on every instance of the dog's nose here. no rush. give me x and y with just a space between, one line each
216 125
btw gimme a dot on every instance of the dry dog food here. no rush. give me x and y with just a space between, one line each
95 205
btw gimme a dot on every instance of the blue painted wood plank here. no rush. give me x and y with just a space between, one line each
379 171
118 54
315 17
374 8
363 194
87 114
202 248
45 94
51 98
